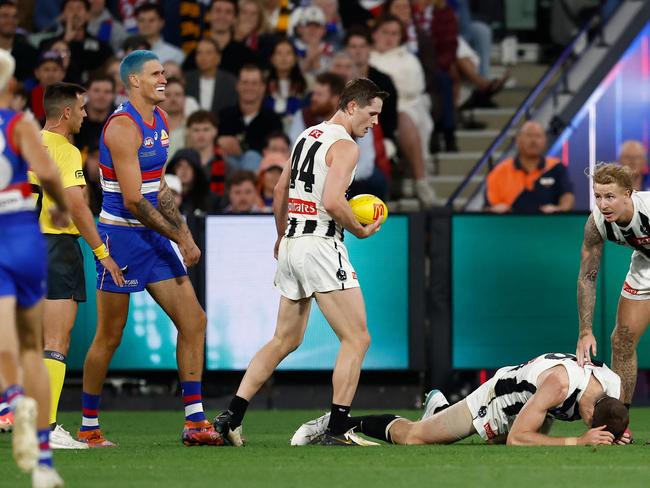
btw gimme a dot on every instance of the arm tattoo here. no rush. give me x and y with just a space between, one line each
167 207
592 249
152 218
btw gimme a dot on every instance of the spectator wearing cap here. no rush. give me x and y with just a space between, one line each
24 54
214 88
202 132
314 52
221 18
104 26
151 20
333 26
186 164
244 126
267 177
48 70
241 187
88 52
100 97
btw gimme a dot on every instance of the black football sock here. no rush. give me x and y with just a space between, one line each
373 425
338 417
237 410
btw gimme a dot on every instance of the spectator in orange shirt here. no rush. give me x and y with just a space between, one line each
531 182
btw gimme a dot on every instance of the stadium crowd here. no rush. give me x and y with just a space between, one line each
245 77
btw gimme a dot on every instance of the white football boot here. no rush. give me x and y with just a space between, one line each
434 400
24 438
61 439
310 431
46 477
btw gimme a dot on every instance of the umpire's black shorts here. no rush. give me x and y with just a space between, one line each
65 268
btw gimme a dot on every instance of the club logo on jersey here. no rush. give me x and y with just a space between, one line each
641 241
488 430
341 275
164 138
302 207
148 142
482 412
378 211
316 133
78 174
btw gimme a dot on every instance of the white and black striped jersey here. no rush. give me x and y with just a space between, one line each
637 234
307 215
515 385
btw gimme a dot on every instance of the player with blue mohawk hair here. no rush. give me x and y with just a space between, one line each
137 222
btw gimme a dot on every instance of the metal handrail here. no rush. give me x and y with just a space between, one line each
524 108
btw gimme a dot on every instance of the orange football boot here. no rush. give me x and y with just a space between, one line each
6 422
94 438
201 433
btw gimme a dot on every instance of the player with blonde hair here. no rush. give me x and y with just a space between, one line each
621 215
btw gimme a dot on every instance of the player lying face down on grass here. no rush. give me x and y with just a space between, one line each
516 406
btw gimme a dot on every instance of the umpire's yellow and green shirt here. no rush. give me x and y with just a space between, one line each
68 159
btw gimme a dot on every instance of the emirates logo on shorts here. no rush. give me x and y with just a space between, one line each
629 289
488 430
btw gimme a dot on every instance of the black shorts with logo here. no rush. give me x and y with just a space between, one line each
65 268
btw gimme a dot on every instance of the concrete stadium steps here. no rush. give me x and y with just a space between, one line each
495 118
446 185
480 140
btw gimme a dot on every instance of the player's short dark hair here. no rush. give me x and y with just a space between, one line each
100 77
336 83
150 7
85 2
362 91
277 134
611 412
57 95
202 117
240 176
358 31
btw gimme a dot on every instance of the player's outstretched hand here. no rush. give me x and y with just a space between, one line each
190 252
368 230
586 348
115 271
596 436
59 218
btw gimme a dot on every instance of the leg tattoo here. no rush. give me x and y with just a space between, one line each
624 360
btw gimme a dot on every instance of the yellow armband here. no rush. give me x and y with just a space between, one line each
101 252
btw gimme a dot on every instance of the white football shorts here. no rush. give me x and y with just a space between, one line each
637 281
309 264
487 413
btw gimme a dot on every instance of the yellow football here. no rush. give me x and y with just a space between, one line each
368 208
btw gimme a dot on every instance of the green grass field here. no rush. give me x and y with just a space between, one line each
151 455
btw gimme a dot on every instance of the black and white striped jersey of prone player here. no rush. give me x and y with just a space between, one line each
517 405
